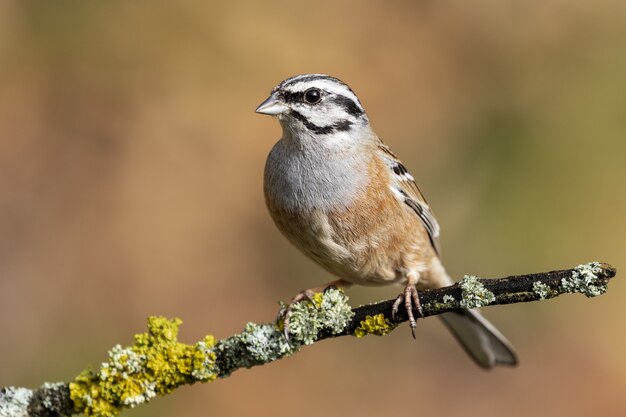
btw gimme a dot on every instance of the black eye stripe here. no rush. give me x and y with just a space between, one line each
299 96
348 105
292 97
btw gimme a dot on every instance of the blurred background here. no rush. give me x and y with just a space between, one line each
131 166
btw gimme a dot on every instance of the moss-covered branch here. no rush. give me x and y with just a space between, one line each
157 363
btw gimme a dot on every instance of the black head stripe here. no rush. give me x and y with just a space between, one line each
308 78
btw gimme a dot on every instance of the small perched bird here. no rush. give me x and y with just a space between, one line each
342 197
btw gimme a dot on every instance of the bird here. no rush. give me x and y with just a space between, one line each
343 198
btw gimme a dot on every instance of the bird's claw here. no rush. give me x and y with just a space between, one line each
411 300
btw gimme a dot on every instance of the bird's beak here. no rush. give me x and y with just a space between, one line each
272 106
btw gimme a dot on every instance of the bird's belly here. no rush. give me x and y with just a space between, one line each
381 257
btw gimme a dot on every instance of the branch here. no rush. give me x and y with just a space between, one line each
156 364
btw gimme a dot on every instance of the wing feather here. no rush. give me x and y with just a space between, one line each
410 193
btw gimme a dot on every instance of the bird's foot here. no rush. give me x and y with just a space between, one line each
411 300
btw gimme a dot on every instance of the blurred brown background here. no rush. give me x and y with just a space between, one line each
131 168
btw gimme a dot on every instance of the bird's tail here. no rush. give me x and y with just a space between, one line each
480 339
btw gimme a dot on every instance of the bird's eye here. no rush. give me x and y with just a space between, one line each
312 96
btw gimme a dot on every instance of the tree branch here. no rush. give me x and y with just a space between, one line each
509 290
157 363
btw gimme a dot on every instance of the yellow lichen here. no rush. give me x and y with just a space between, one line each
154 365
378 325
318 298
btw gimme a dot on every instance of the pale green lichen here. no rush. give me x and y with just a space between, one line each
447 302
204 367
448 299
304 323
542 290
257 344
53 385
474 294
265 343
14 401
335 312
377 325
307 321
154 365
328 312
584 280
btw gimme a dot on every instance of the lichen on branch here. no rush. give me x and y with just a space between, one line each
157 363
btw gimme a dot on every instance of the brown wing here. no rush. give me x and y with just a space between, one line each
411 195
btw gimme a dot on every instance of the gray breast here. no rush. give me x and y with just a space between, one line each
309 177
